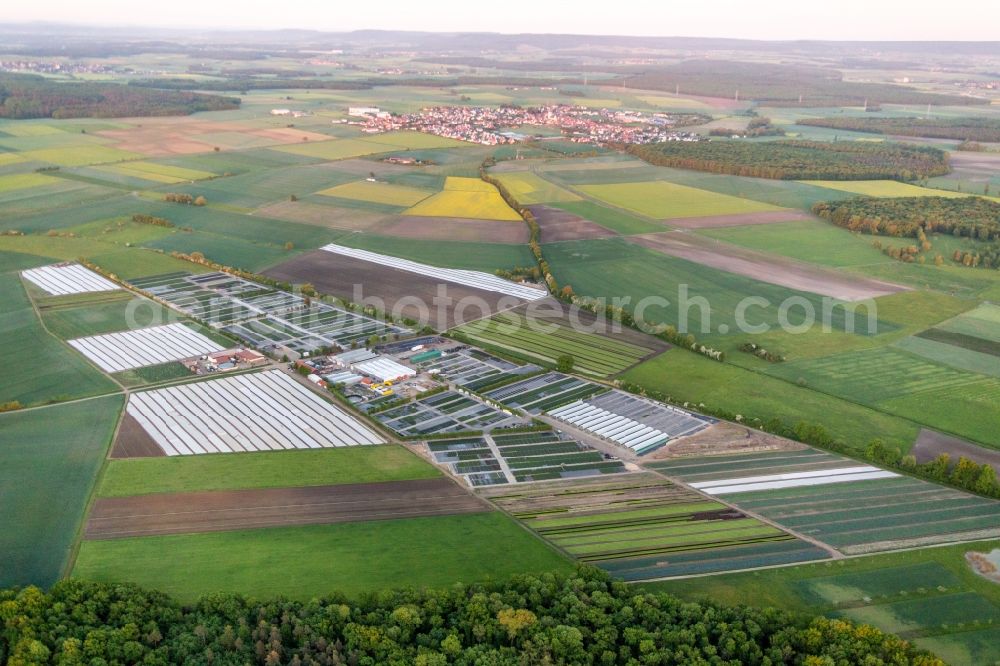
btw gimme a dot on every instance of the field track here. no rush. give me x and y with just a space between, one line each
765 267
184 513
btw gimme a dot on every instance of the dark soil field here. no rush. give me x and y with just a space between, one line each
134 442
398 291
455 229
560 225
930 444
738 219
185 513
765 267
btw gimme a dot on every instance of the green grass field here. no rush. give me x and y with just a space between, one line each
609 218
449 254
157 173
688 377
22 181
906 384
96 314
592 354
384 193
73 156
915 591
339 149
37 367
812 241
276 469
307 562
49 460
663 200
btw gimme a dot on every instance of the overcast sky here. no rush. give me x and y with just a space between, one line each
753 19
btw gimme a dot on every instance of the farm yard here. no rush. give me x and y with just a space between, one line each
445 412
473 369
818 495
261 315
244 413
639 526
496 459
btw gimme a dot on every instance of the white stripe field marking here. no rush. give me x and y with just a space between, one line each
62 280
475 279
124 350
784 476
798 483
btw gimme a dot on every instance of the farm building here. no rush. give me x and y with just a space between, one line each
384 369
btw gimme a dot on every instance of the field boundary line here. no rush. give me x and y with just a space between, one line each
834 553
92 496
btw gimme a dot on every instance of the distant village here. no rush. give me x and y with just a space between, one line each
493 126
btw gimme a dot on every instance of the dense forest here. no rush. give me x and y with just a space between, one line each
797 160
29 96
970 217
782 85
962 129
549 619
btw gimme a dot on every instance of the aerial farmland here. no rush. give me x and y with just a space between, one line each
464 322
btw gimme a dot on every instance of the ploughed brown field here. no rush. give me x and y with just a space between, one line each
765 267
455 229
398 291
185 513
134 442
930 444
738 219
560 225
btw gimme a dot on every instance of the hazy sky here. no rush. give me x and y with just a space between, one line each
754 19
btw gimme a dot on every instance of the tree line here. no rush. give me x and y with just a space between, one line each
582 618
29 96
799 160
970 217
962 129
